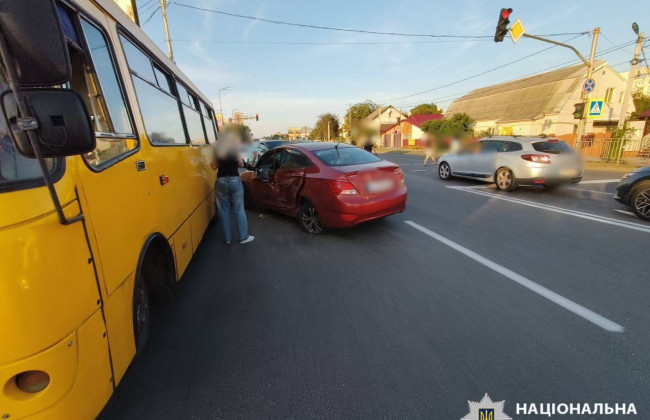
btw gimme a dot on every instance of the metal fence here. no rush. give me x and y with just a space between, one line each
609 149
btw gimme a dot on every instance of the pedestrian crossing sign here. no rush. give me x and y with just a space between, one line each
595 109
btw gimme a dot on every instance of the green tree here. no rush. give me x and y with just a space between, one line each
458 125
358 112
320 129
641 103
426 109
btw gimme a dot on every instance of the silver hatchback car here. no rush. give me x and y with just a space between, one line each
511 162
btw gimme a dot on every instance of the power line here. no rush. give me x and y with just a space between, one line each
478 74
150 16
145 4
567 63
332 28
328 43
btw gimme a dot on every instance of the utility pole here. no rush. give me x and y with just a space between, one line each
582 124
379 124
328 130
628 91
163 8
350 122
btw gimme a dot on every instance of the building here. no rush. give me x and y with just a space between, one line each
380 119
641 81
544 104
407 132
296 133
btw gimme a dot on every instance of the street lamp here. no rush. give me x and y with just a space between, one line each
220 104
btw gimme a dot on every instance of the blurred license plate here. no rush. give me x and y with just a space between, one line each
379 186
568 172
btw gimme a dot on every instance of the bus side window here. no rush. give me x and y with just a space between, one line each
113 125
159 108
192 117
95 78
208 122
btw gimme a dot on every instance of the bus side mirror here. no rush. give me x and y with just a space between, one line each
61 122
35 39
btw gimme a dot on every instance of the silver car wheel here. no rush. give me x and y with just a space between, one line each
504 180
642 203
444 171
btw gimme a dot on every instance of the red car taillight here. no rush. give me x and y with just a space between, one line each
537 158
342 187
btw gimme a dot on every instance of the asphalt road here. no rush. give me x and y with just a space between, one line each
532 297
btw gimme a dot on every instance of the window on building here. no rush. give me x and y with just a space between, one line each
609 95
621 96
158 106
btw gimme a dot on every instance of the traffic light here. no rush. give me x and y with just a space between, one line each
579 111
502 26
257 117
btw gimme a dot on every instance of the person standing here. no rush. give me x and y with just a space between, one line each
229 188
428 144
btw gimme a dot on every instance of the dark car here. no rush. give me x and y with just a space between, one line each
325 185
633 190
258 148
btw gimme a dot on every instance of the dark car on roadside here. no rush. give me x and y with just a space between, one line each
633 190
258 148
325 185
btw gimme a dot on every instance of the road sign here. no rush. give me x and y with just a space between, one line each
517 30
589 86
595 109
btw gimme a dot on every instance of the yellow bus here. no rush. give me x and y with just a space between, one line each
75 278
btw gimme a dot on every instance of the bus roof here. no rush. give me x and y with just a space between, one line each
113 10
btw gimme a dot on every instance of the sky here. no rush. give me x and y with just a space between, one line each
291 75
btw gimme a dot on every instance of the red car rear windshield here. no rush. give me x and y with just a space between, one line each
552 147
344 156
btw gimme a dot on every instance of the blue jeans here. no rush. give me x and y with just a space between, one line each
230 199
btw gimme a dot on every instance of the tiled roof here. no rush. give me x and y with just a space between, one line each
522 99
419 119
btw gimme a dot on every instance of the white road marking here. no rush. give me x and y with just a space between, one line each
599 181
591 191
419 170
567 304
629 213
574 213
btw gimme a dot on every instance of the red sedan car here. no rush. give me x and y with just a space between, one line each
325 185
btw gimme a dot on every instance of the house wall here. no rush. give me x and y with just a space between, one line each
387 116
563 123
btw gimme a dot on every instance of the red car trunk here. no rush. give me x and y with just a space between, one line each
373 179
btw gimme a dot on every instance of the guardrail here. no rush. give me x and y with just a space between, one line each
609 149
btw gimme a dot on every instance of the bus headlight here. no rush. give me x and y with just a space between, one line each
32 381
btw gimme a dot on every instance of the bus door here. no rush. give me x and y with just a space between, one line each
116 183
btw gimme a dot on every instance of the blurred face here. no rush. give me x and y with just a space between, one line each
230 141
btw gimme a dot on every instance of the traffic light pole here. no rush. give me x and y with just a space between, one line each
590 68
585 96
550 41
589 63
